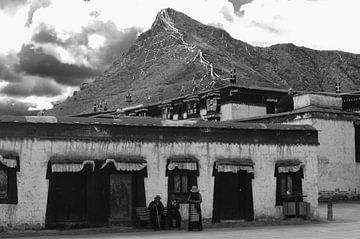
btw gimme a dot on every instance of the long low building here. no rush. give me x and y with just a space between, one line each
57 171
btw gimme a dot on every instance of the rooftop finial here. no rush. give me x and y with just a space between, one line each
338 87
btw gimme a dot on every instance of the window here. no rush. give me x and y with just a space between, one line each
288 187
192 108
3 183
8 185
180 182
142 114
166 112
211 104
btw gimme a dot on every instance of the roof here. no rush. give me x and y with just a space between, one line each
152 122
345 115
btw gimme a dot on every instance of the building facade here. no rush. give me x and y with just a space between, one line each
339 138
90 172
221 104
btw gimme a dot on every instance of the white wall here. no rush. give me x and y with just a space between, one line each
321 100
338 170
237 111
34 155
339 174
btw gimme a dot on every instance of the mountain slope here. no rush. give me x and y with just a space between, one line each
179 51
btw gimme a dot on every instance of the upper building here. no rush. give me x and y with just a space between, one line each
220 104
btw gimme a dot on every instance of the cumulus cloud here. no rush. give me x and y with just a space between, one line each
238 3
11 4
15 107
34 6
32 86
34 61
7 74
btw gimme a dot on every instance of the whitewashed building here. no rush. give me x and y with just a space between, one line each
57 171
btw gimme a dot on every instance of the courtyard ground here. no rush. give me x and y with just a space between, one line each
346 224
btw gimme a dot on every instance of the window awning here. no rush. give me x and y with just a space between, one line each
288 166
61 164
182 162
9 159
234 165
126 162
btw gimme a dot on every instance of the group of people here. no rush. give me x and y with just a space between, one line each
158 219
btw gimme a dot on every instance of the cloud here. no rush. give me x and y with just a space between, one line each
34 61
227 14
32 86
34 6
7 74
116 41
46 34
11 4
15 107
238 3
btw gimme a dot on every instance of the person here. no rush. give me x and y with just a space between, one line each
173 206
156 209
195 220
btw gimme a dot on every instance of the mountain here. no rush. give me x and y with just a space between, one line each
180 51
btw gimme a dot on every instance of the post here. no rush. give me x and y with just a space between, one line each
330 210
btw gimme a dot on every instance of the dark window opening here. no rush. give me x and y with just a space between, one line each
289 187
180 182
8 185
3 183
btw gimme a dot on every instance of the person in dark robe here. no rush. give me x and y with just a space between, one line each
156 209
286 103
173 206
195 220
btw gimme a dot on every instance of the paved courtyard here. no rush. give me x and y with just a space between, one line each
346 225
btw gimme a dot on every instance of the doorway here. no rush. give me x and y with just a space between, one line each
233 196
120 198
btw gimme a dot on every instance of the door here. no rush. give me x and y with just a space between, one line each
69 197
230 199
120 198
98 198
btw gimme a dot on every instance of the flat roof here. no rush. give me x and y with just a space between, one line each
152 122
346 115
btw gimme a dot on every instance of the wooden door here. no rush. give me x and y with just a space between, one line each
98 198
70 197
120 198
230 196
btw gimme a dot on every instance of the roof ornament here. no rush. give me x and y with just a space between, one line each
338 87
233 76
182 91
128 98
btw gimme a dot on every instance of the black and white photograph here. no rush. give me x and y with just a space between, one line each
180 119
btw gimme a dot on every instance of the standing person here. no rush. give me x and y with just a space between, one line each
156 209
173 206
195 220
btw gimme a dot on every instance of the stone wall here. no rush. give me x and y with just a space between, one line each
35 153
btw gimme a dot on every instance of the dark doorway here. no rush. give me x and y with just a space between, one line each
233 196
67 200
120 198
98 198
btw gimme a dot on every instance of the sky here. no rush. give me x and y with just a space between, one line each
48 48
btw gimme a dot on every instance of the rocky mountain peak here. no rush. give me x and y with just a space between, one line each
178 51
